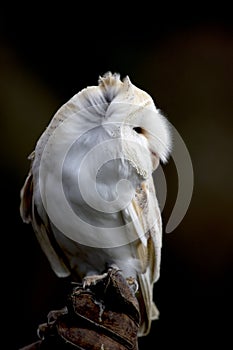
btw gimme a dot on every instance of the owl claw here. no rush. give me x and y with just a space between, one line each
93 279
133 284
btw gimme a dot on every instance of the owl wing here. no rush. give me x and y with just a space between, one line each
145 213
41 227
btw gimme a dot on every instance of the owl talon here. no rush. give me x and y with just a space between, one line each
133 284
93 279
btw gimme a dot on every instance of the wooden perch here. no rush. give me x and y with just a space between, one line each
102 316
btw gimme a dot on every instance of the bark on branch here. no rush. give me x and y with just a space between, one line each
102 316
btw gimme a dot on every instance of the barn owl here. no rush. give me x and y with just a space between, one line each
89 194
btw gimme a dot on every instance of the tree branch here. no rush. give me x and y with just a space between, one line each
104 315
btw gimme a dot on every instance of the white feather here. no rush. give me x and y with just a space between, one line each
99 123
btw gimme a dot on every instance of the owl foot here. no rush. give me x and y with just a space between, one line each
133 284
93 279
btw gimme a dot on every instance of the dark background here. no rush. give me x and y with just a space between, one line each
183 57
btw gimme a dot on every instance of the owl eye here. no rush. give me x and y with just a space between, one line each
138 130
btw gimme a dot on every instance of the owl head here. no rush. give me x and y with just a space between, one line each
117 109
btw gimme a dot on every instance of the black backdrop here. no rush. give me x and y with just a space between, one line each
184 58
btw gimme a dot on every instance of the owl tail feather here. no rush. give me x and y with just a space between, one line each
148 309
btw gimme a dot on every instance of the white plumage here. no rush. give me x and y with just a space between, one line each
84 216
